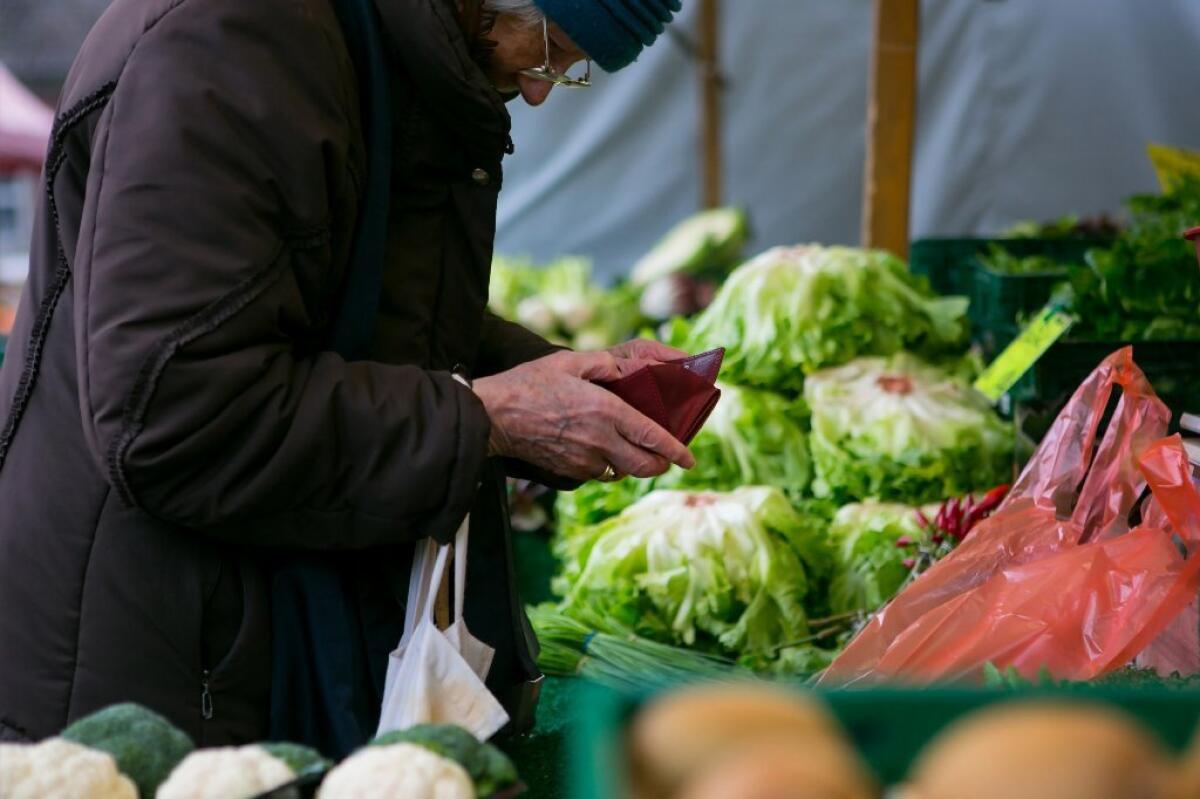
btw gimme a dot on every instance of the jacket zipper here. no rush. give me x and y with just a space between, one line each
206 701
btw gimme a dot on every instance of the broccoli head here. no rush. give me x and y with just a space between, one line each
145 745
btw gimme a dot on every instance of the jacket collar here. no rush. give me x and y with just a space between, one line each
425 38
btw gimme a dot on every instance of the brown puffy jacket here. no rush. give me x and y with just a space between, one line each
169 413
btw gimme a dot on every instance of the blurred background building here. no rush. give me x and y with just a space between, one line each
39 39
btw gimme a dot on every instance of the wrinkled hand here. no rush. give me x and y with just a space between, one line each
548 413
647 351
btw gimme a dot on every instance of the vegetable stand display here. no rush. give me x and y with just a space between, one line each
848 456
846 382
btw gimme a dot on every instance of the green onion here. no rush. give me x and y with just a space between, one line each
570 648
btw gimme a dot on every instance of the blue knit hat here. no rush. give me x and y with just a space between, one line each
611 32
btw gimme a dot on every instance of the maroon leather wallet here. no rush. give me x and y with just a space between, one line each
679 395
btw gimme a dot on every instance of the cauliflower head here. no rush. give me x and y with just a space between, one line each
490 769
227 772
60 768
402 769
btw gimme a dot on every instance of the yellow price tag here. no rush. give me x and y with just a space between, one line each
1019 356
1172 163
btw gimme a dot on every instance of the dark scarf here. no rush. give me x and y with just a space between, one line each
332 628
329 655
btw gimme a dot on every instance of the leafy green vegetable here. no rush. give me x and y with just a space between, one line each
873 546
792 311
723 572
561 302
1127 677
595 501
898 429
1146 286
753 437
1001 260
803 661
561 639
1011 678
708 243
1063 227
300 759
145 745
1131 676
617 318
569 648
490 769
1066 227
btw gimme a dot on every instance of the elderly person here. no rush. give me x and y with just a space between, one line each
253 362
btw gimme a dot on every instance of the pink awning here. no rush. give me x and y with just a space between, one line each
25 123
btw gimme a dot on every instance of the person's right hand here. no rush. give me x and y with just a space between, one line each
548 413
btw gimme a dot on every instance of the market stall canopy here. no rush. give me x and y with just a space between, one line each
1009 126
25 123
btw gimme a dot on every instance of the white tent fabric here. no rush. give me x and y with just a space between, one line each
1028 109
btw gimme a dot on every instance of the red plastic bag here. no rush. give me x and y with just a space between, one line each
1055 579
1176 650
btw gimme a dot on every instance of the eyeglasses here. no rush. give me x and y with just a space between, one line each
548 73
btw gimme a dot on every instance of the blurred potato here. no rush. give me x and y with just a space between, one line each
680 735
1189 772
1044 751
784 768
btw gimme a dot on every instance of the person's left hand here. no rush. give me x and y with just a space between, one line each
641 349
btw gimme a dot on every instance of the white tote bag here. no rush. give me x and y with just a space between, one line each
434 675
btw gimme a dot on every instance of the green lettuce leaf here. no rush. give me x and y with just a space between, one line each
1145 286
595 501
792 311
899 429
868 540
709 242
716 571
753 437
562 303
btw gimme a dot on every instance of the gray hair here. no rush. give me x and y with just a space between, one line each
525 10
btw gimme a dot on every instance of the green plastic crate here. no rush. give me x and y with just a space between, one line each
1000 302
889 726
1172 367
946 263
951 264
1169 365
